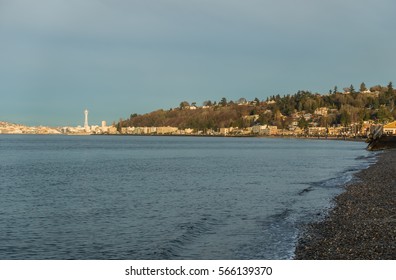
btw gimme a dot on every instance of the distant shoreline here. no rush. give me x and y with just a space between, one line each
353 139
362 224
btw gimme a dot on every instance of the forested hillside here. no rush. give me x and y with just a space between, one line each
342 108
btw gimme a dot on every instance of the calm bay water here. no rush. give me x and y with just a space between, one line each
108 197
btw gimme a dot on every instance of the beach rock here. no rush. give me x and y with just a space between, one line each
363 223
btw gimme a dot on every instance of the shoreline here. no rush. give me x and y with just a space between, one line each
323 138
362 225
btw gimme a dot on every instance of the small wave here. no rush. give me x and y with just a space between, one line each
283 215
189 231
255 183
369 156
343 178
280 233
363 157
306 190
276 218
368 160
166 253
349 175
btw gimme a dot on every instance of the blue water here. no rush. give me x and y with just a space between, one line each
109 197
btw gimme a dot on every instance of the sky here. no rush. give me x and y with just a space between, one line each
118 57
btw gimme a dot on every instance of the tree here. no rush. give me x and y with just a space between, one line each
378 88
323 121
362 87
184 104
119 126
265 118
299 106
207 103
345 118
335 89
223 102
351 89
390 89
302 123
242 100
384 115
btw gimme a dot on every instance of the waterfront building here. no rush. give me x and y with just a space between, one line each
112 130
318 130
166 130
390 128
259 129
225 130
270 130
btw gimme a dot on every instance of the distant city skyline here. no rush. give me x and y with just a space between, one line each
122 57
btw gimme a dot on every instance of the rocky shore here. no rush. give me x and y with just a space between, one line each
363 223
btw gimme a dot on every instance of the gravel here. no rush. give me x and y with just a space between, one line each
362 225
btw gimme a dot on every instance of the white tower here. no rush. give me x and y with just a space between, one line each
86 126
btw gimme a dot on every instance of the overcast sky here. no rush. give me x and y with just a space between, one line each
117 57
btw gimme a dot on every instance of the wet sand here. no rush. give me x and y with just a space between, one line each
362 225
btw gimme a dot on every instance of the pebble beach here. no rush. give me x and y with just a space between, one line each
362 225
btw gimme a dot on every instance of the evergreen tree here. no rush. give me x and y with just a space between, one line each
119 126
383 115
363 87
351 89
345 118
390 89
302 123
207 103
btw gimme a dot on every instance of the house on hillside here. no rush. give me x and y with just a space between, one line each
251 117
322 111
307 116
390 128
